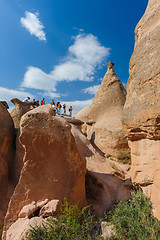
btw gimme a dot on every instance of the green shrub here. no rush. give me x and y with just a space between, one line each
1 230
124 157
72 223
133 220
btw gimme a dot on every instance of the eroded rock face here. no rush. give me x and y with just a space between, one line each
141 117
83 115
103 187
53 168
106 111
20 109
6 159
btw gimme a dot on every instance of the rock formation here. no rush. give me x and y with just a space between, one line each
6 159
20 109
83 115
53 168
106 112
141 117
5 104
73 120
19 229
103 187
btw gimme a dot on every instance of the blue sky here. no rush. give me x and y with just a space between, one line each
58 49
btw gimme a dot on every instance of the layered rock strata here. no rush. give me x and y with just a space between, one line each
6 159
106 112
141 117
52 169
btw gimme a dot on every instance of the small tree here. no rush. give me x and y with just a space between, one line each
133 220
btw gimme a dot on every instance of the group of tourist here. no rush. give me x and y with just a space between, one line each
56 107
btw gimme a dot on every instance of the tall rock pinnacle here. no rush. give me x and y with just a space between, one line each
141 117
111 95
106 111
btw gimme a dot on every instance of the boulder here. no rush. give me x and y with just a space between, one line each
29 210
51 208
20 109
52 169
106 112
107 230
19 229
6 159
141 116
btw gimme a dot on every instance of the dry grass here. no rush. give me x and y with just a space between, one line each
118 172
124 157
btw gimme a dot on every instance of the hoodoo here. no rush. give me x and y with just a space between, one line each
106 111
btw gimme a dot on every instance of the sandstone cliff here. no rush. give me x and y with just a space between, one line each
141 117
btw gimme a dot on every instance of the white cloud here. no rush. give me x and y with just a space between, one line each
80 63
36 78
51 94
78 105
91 90
32 23
88 50
79 29
7 94
73 70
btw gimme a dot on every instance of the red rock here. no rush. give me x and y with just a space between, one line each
20 109
52 166
6 159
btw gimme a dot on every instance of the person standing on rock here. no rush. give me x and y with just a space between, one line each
53 107
34 103
58 105
64 108
37 104
52 103
42 101
27 100
70 111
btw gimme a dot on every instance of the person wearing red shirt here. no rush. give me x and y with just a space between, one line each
42 101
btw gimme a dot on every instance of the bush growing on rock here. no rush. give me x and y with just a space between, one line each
72 223
133 220
124 157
